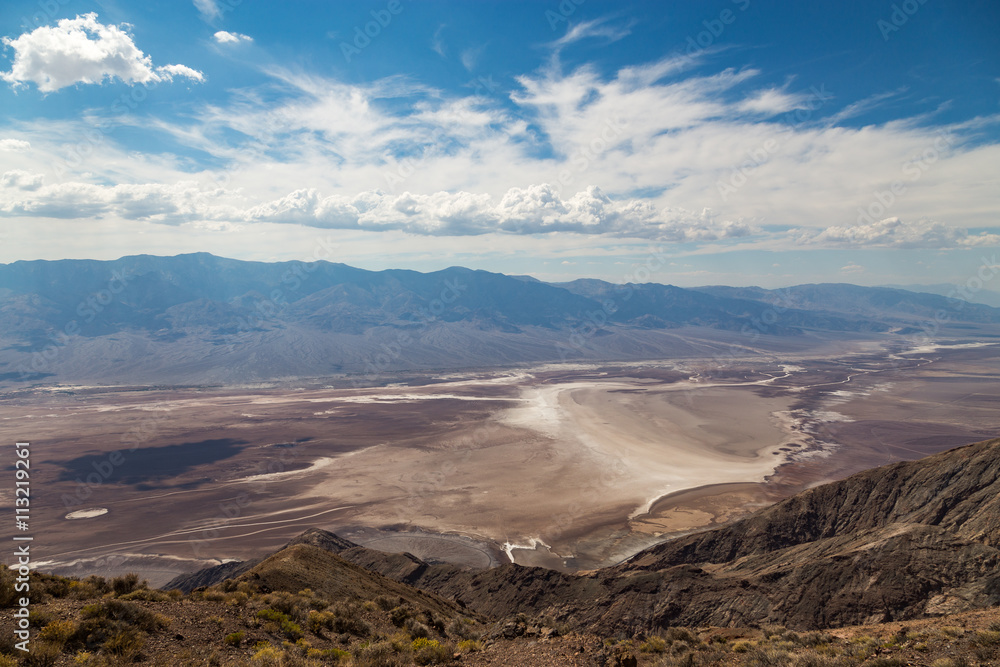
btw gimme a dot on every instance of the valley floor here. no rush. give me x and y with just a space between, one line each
568 466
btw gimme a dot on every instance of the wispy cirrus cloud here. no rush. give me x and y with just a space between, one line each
209 9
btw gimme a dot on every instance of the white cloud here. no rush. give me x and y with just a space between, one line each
437 42
224 37
21 179
591 29
14 145
655 141
771 102
533 210
536 209
82 50
894 233
168 72
208 8
470 57
852 268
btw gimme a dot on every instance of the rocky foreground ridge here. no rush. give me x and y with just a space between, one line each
904 541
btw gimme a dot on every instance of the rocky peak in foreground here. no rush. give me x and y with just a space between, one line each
904 541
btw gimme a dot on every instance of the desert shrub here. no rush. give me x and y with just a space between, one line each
146 595
681 635
768 657
125 612
430 652
100 584
38 618
213 596
50 584
986 645
292 605
469 646
463 628
42 654
386 603
987 638
318 621
237 599
416 629
398 615
267 657
813 660
58 632
234 639
125 643
8 596
334 655
653 645
281 622
742 646
126 583
813 639
886 662
7 661
379 654
352 625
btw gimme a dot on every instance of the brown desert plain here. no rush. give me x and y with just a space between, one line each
569 466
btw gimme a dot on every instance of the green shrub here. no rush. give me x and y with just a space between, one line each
282 622
234 639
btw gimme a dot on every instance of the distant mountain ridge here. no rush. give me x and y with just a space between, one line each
199 318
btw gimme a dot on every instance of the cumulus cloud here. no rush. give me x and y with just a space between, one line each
224 37
155 202
537 209
14 145
895 233
21 180
83 50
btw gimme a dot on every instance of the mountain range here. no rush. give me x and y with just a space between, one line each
199 318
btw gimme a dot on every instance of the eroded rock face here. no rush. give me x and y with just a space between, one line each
893 543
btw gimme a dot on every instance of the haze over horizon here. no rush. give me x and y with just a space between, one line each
740 142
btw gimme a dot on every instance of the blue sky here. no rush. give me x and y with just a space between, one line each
748 142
